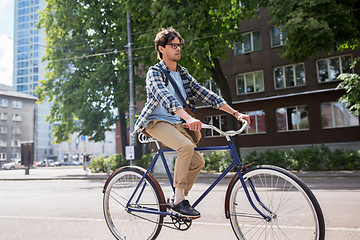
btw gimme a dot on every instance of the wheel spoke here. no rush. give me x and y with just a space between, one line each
293 210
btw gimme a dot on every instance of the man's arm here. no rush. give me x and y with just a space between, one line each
239 116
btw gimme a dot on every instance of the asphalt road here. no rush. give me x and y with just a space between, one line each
72 209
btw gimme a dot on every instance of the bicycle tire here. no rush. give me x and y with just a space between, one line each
132 225
296 214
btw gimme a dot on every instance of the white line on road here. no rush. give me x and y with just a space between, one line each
196 222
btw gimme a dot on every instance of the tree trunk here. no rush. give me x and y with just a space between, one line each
220 80
123 131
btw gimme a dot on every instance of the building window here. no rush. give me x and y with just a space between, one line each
211 85
329 69
250 82
289 76
2 156
4 102
292 119
3 129
17 104
218 121
15 156
17 117
3 143
250 42
335 115
16 143
3 116
278 38
16 130
257 125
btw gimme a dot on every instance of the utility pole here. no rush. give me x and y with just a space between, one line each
131 87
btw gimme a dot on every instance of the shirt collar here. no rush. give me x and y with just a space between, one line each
163 65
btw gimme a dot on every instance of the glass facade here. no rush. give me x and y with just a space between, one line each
28 67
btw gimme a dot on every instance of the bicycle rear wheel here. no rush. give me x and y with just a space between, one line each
125 224
293 209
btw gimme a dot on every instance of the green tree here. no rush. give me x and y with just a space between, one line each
351 84
86 75
87 67
209 28
313 26
316 26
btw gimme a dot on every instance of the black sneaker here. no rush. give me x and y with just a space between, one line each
185 209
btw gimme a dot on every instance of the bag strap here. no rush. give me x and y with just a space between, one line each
175 86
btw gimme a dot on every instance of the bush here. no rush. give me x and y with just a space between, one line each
274 157
217 161
116 161
145 160
314 158
97 165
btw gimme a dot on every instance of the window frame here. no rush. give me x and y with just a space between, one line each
245 82
255 123
4 102
283 38
294 66
205 131
333 116
242 42
298 119
329 67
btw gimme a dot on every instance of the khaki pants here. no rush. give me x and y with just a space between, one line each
188 162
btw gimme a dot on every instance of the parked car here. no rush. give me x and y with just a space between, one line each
13 165
51 163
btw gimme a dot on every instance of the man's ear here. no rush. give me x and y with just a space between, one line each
161 49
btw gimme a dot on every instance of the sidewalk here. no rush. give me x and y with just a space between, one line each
77 173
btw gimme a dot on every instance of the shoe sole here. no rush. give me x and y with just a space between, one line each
183 215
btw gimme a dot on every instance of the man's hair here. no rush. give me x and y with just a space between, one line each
165 36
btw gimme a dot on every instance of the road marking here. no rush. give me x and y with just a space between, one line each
53 218
195 222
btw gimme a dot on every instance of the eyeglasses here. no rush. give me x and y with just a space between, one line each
176 45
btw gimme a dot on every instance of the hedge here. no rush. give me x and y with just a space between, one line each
116 161
314 158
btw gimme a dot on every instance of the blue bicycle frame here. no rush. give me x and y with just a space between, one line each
236 162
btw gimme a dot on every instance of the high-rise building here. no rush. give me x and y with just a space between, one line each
29 48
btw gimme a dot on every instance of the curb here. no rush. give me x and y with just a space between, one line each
161 176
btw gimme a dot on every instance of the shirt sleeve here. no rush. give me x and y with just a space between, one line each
205 95
156 87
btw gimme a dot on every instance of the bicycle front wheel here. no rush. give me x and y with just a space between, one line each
294 212
125 224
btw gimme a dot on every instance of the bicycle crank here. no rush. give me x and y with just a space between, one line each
181 223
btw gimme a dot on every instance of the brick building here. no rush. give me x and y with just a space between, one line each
291 105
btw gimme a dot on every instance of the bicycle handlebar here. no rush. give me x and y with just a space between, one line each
145 139
229 133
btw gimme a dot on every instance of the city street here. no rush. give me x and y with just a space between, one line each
72 209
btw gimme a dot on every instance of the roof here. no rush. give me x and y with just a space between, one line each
17 94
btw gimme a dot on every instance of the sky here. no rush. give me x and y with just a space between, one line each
6 41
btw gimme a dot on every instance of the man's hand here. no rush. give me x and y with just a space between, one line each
242 117
193 124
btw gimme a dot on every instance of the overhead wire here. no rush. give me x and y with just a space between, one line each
114 51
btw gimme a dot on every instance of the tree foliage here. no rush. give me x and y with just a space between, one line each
86 75
351 84
313 26
86 53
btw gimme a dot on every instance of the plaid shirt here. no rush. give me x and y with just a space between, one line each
157 93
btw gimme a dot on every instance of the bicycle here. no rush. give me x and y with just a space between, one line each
262 202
